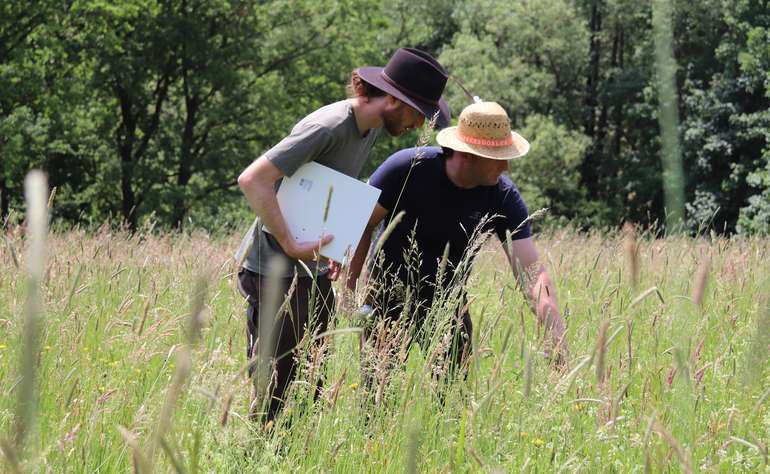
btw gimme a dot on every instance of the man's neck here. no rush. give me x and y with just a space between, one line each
453 166
367 114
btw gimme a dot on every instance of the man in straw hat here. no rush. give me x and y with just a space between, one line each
397 98
450 196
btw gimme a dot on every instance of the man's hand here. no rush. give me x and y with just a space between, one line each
334 270
558 356
307 250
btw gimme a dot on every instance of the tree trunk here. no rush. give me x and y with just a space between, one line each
618 115
126 178
4 197
186 158
590 164
126 139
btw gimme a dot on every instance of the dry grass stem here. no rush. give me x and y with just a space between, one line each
528 374
631 247
681 454
601 350
35 192
269 311
181 374
700 282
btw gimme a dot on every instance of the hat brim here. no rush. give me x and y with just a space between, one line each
448 138
373 75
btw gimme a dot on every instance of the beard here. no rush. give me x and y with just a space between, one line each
393 121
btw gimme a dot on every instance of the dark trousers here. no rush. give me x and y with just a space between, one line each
310 308
388 304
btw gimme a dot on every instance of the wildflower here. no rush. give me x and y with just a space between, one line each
101 389
353 386
538 442
47 348
578 407
3 346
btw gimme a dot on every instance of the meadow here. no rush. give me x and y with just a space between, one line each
139 365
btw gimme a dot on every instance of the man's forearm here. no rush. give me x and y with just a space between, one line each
265 205
257 182
542 294
357 262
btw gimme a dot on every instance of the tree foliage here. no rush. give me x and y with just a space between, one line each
142 110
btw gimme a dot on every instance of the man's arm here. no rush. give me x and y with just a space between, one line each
357 262
540 291
257 182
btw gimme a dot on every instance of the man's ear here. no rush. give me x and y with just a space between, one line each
391 102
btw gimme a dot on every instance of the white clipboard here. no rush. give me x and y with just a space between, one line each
317 200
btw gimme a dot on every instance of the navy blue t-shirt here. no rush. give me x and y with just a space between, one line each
438 212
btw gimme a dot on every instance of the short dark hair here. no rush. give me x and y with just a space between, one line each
360 88
447 152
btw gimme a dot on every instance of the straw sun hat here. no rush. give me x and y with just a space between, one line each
484 130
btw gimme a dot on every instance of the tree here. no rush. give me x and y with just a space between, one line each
549 175
22 83
727 103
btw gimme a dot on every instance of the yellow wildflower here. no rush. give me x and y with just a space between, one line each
538 442
353 386
3 346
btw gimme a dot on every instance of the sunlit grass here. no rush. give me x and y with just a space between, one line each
682 384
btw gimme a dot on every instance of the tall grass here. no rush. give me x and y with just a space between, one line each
682 386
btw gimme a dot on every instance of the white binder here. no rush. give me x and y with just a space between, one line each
317 200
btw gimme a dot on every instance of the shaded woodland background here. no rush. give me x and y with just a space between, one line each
144 112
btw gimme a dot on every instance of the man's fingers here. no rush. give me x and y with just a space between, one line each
310 250
334 270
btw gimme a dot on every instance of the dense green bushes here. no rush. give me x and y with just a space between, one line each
148 110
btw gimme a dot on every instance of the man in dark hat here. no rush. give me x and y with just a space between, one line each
451 197
397 98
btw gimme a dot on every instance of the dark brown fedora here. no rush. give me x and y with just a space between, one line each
415 78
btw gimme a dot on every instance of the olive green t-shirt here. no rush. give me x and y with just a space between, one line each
328 136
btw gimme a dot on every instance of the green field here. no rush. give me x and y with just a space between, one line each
674 387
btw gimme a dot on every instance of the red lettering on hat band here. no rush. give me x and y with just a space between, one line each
487 141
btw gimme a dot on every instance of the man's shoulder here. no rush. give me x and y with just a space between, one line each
505 185
414 156
412 161
330 118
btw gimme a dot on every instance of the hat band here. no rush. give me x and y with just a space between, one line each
491 142
407 91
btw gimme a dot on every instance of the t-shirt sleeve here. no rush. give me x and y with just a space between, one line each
389 177
514 212
305 143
